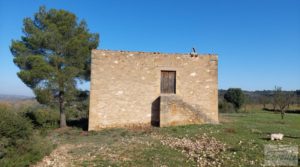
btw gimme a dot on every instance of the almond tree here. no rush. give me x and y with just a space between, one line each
282 100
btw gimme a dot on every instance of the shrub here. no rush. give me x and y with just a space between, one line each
20 145
13 126
27 152
79 108
225 107
43 117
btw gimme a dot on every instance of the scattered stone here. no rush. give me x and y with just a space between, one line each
203 149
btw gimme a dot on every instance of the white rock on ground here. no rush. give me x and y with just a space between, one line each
276 136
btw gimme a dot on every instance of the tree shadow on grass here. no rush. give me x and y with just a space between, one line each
267 137
292 137
81 123
296 111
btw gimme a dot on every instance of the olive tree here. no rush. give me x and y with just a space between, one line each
235 96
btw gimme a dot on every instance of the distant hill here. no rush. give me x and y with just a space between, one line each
4 97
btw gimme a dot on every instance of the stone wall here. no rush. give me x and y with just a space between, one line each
174 111
125 86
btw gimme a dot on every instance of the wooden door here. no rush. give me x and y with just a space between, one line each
168 82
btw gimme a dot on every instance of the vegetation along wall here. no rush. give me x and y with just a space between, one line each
151 88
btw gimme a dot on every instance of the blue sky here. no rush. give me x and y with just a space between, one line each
258 41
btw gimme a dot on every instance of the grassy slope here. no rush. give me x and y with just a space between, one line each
244 135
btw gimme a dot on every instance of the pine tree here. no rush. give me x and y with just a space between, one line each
53 55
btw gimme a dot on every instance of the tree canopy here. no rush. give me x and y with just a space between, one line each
53 55
235 96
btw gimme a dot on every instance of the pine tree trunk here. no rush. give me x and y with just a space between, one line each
63 122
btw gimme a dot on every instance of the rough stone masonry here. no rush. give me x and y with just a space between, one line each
152 89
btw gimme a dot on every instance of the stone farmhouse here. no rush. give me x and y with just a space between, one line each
152 89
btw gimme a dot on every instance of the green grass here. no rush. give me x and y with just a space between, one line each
244 134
